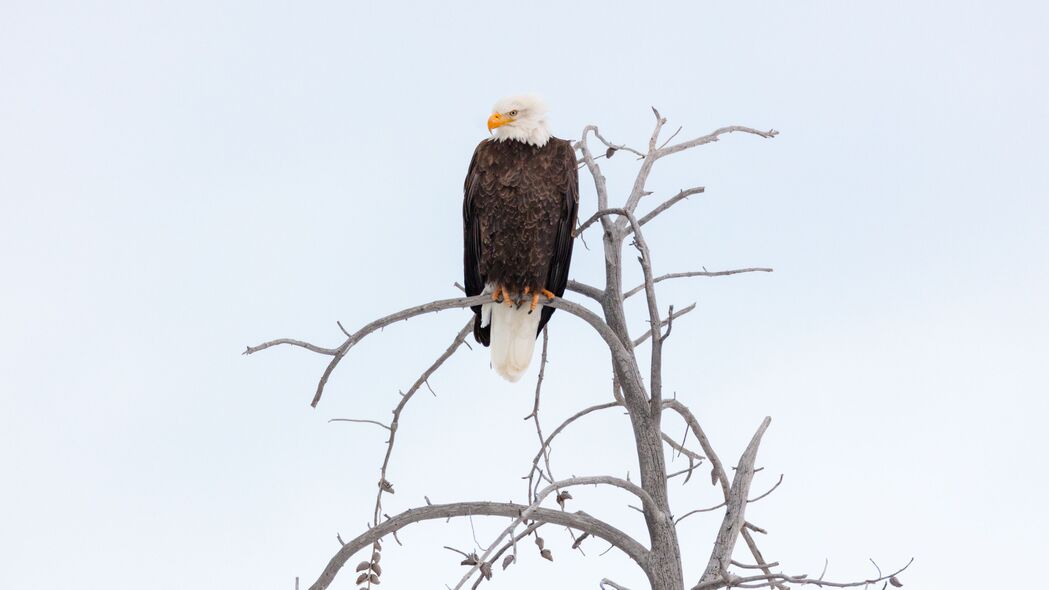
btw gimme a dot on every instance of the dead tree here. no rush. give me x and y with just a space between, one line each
660 557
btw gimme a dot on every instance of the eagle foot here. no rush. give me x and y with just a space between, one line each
501 294
535 297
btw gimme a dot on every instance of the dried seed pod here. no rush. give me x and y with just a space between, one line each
486 570
386 486
363 566
376 557
895 581
471 559
377 569
547 555
362 578
540 542
508 560
610 152
373 579
561 497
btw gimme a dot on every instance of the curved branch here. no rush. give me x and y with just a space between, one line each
651 508
579 521
718 473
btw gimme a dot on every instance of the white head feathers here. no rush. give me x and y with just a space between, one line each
522 118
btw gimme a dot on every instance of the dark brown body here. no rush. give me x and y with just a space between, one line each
519 209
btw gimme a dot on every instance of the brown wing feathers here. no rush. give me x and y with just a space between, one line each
519 210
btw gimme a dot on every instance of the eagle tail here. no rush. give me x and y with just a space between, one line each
513 339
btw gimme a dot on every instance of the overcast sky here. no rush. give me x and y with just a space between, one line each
181 179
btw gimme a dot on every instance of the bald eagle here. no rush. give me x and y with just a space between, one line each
521 198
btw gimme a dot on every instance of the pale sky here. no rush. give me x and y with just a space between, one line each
181 179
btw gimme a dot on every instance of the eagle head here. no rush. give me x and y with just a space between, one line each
521 118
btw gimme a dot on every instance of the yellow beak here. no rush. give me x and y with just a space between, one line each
497 120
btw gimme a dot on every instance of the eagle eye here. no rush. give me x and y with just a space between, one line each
513 113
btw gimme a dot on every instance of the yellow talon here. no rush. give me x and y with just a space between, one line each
497 293
548 294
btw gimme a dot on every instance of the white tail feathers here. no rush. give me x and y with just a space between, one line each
513 339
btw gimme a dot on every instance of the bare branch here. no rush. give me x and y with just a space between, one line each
718 565
292 342
681 448
683 194
511 543
579 521
697 511
675 316
375 422
660 121
695 273
407 397
712 508
670 326
586 290
712 137
754 566
600 185
649 503
359 335
544 447
434 306
772 489
718 470
608 144
800 579
611 584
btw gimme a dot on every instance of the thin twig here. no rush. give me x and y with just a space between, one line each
697 273
459 339
375 422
